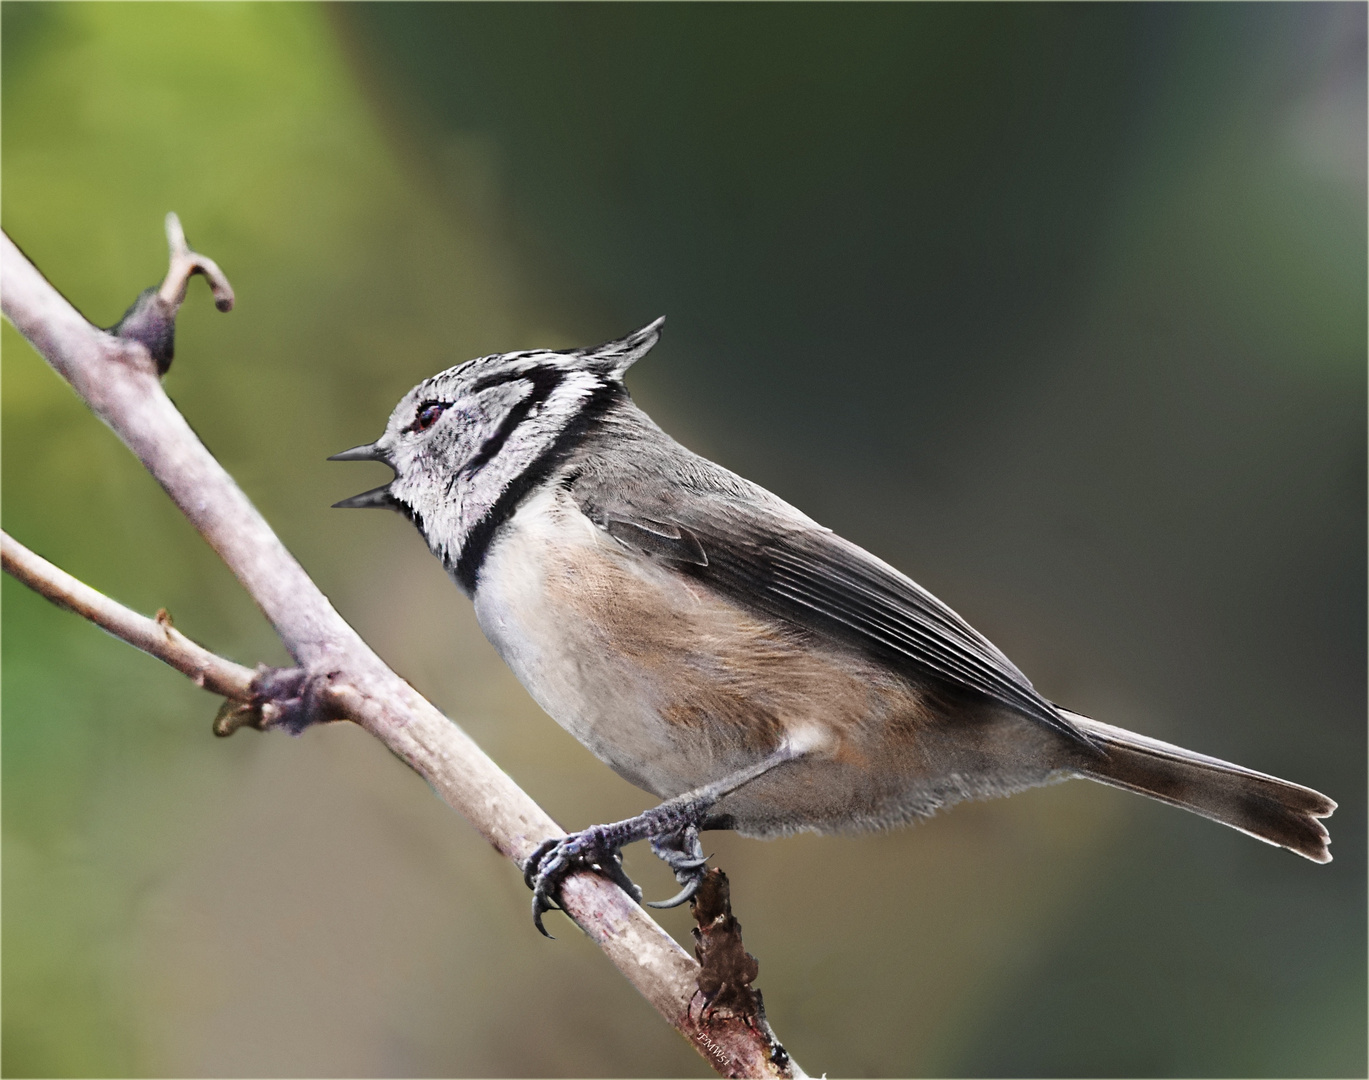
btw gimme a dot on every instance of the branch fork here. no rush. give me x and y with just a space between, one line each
284 699
337 676
151 320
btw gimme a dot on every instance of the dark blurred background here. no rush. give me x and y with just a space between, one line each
1061 309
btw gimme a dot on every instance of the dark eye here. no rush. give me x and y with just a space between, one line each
427 415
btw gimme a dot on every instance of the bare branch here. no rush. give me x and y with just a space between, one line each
251 695
157 637
117 375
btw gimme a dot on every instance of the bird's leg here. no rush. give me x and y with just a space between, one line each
672 828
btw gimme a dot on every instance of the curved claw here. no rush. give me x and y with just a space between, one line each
687 893
682 852
542 882
539 905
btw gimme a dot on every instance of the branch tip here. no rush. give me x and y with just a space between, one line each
151 320
233 715
185 263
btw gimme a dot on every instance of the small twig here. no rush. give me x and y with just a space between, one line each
185 263
259 698
151 320
156 637
118 375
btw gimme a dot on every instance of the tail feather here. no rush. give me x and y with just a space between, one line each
1259 805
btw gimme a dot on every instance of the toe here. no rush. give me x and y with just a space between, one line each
534 861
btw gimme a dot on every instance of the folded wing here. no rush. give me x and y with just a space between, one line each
764 555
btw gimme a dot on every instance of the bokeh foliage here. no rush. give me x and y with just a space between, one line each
1060 308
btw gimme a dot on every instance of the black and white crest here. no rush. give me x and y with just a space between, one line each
469 443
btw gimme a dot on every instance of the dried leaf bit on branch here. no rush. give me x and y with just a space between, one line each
726 972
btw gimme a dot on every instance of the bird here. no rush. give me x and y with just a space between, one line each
715 646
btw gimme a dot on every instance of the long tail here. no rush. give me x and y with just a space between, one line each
1261 806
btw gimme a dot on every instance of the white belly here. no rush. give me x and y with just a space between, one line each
542 590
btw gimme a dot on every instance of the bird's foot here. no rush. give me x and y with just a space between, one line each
590 849
672 828
682 852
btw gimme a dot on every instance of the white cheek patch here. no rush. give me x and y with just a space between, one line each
454 486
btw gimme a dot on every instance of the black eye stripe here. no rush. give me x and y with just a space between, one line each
544 380
502 378
588 415
541 377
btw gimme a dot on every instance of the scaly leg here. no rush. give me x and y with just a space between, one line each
672 828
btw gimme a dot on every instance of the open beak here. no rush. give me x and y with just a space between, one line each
364 452
377 498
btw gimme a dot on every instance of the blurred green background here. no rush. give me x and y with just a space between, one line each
1062 309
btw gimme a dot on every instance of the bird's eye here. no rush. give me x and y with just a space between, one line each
427 415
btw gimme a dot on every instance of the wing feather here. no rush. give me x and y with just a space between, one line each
767 556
